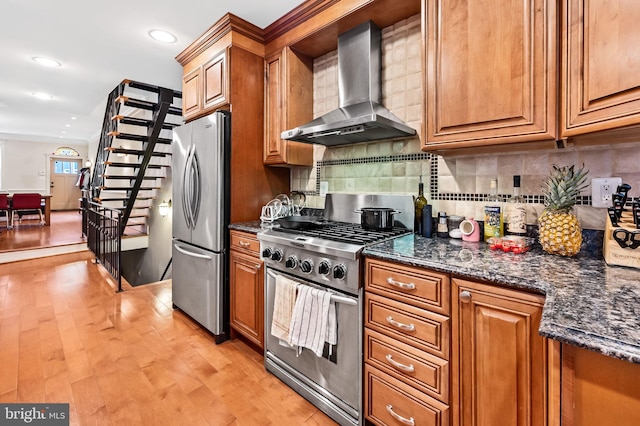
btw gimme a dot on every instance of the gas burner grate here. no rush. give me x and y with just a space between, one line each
351 233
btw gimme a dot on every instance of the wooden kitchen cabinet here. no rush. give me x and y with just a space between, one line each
500 368
246 282
288 103
490 72
224 69
407 345
205 87
598 390
600 66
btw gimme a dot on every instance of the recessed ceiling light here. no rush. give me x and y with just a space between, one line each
46 62
43 96
162 36
68 125
74 118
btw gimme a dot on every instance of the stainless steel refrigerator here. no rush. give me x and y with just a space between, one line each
201 204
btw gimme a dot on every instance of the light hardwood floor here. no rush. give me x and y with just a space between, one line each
127 358
65 228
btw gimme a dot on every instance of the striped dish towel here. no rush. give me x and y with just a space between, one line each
283 303
309 322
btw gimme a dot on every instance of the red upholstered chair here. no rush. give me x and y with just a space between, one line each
26 204
4 207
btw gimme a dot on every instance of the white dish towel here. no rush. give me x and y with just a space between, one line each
310 317
283 303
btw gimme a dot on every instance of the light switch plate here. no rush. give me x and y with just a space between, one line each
602 190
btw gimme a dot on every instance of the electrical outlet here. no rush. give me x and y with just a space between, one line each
324 188
602 190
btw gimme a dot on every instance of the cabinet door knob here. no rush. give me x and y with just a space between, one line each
465 296
244 244
258 266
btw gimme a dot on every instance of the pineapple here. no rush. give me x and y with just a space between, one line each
559 227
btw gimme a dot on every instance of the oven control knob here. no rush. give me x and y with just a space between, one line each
306 266
291 262
266 252
339 272
324 268
276 255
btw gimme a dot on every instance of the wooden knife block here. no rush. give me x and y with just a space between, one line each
612 252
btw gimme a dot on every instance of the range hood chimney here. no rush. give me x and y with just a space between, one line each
360 116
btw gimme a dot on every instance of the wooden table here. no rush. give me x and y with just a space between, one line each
47 207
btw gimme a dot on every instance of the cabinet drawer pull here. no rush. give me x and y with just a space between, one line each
401 285
398 417
406 368
244 244
465 296
401 326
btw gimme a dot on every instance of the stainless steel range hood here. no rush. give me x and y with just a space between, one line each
360 116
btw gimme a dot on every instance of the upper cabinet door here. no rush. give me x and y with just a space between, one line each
289 103
601 65
191 94
490 72
215 81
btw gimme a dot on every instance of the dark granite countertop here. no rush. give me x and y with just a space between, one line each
588 303
252 227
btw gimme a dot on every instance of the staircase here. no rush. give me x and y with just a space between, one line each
135 151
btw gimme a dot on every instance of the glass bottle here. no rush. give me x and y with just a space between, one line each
516 212
493 219
418 205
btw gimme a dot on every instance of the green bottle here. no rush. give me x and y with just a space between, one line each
418 205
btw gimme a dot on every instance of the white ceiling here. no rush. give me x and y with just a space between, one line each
99 44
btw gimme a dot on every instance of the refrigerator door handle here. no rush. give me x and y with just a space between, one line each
190 253
197 187
186 190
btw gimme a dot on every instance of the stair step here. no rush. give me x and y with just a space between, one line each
129 177
139 138
127 151
135 121
127 188
151 106
132 215
133 165
100 199
149 87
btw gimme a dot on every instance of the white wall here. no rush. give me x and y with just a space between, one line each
24 164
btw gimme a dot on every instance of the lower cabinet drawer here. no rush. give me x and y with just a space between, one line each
390 402
424 371
414 326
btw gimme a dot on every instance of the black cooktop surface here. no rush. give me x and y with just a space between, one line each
352 233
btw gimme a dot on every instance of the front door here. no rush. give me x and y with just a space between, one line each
64 175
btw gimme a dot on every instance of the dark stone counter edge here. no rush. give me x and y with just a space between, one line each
252 227
605 346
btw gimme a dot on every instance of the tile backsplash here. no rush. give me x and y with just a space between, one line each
455 184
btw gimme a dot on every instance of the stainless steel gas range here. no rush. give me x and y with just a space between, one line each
328 257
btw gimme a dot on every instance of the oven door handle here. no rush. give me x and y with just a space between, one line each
334 297
345 300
